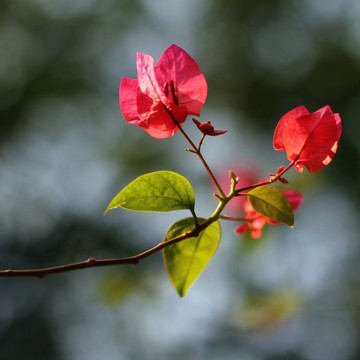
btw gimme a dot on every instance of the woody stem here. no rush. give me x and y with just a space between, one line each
91 262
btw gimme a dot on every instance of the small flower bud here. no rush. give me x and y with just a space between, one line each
208 129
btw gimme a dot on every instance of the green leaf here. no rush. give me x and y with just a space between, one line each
186 259
156 191
270 202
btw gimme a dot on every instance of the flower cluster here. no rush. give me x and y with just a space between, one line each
163 95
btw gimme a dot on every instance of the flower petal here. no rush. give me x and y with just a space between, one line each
127 98
218 132
282 124
189 83
146 77
241 229
156 119
294 197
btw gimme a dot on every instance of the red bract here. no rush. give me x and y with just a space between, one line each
255 221
163 94
309 140
208 129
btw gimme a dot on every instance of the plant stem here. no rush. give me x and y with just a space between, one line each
263 183
234 218
201 141
198 153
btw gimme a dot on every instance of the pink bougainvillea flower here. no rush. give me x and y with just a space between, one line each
208 129
163 95
255 221
309 139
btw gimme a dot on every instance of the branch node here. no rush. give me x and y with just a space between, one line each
218 196
190 150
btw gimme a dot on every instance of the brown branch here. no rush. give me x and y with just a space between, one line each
91 262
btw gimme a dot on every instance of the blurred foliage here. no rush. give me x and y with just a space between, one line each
117 286
267 311
49 53
23 342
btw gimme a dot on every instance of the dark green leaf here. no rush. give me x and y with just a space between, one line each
270 202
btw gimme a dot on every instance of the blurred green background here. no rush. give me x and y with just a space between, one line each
65 151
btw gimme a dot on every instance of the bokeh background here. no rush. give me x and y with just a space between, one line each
65 151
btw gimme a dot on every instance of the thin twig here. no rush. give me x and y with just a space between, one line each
91 262
234 218
198 153
263 183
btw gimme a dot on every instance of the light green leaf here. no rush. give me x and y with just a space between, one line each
156 191
186 259
270 202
